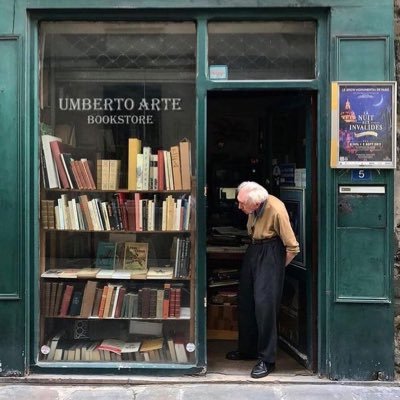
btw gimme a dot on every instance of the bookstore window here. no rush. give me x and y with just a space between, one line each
117 124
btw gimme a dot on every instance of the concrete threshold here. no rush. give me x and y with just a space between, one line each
209 378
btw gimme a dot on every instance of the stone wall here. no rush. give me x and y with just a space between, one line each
397 196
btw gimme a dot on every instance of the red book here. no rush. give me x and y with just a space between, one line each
172 300
66 300
103 301
77 175
56 149
82 174
161 171
88 173
167 291
178 295
137 213
130 210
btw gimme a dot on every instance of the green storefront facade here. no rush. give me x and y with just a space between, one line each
348 301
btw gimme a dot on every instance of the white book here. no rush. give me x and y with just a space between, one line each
169 170
112 313
177 221
82 225
150 221
51 168
187 213
104 210
64 205
97 207
57 217
61 214
105 274
93 215
66 170
167 183
73 215
146 167
139 171
121 274
164 216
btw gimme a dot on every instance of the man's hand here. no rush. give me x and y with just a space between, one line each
289 258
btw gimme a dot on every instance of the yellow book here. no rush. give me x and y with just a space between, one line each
134 148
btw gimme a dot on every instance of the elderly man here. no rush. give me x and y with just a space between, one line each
273 246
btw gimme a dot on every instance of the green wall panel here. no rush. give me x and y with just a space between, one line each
12 332
6 16
9 133
362 59
362 342
361 273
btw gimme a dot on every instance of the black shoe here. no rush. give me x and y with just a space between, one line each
237 355
262 369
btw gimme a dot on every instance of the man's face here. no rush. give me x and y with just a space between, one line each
244 204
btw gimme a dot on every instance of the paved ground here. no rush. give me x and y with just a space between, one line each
214 391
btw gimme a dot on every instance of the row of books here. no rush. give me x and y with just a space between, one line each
61 168
120 213
111 301
163 170
165 272
148 349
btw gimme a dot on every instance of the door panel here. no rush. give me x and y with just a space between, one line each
12 332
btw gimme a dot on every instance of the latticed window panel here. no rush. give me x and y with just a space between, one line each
259 54
125 51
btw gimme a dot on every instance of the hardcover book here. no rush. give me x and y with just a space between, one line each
135 257
105 255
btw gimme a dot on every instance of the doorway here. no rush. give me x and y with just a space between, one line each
269 137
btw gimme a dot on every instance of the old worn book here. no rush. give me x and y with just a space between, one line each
66 300
105 255
165 272
88 299
186 165
87 272
135 257
152 344
176 167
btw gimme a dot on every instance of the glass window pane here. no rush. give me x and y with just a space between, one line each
117 114
262 50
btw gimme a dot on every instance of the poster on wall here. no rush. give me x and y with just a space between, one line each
363 125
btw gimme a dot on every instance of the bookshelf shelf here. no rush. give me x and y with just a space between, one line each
117 231
61 190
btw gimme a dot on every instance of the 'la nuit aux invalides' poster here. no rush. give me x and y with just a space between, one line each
363 126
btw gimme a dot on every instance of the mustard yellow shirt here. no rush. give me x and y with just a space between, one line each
274 221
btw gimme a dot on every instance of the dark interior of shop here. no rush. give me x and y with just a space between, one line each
249 133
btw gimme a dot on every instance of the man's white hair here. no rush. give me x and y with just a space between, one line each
255 192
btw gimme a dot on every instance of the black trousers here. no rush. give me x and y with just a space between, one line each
260 291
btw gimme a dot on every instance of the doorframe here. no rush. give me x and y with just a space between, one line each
323 174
